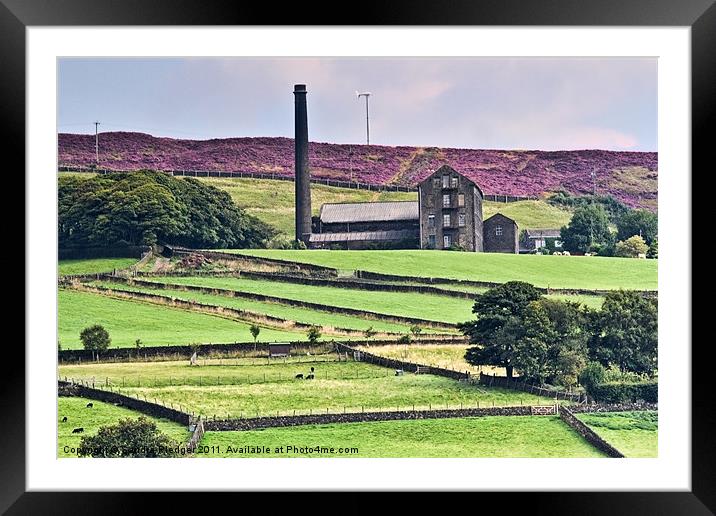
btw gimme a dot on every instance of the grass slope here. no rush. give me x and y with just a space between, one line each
155 325
101 414
520 436
93 265
635 434
450 356
287 312
544 271
408 304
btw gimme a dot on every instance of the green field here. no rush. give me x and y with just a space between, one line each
512 436
101 414
635 434
155 325
225 389
292 313
407 304
449 356
94 265
529 214
544 271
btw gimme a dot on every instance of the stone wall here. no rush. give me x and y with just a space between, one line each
518 385
143 406
589 435
359 417
618 407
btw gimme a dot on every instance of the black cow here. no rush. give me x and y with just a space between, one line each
299 376
310 377
78 430
64 419
90 405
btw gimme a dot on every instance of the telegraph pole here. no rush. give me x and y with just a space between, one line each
96 143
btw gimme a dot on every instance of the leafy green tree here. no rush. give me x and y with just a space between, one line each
313 334
642 223
95 338
405 339
144 207
593 374
255 330
369 332
589 226
416 330
632 247
653 251
128 438
626 332
137 345
493 337
550 341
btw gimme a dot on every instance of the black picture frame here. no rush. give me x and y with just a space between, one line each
700 15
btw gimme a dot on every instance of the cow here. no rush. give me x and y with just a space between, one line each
64 419
90 405
299 376
309 377
78 430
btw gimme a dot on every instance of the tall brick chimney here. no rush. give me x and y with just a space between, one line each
301 174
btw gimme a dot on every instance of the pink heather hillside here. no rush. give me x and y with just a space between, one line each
628 176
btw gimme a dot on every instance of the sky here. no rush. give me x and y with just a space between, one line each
480 103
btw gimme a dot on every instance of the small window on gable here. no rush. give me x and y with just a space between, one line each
436 182
446 181
498 230
453 182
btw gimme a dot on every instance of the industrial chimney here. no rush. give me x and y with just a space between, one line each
301 174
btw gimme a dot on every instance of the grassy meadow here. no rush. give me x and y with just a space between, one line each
593 272
101 414
225 389
449 356
635 434
518 436
155 325
430 307
94 265
292 313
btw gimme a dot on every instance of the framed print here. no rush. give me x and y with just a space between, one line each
432 249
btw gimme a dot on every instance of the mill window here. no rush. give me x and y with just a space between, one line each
431 221
461 200
461 220
446 181
436 182
446 241
446 220
453 182
446 200
431 241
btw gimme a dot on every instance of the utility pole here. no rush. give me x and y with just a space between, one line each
96 143
367 120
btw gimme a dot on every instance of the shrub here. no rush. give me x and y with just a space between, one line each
128 438
632 247
622 392
593 374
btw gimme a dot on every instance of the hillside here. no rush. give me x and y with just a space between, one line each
628 176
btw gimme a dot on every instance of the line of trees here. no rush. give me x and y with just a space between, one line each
552 341
146 207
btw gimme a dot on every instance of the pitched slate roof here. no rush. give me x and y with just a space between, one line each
340 213
363 236
500 216
543 233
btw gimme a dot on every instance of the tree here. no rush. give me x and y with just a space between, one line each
137 345
95 338
405 339
593 374
313 334
369 332
551 341
626 332
255 330
642 223
653 251
589 226
128 438
496 328
632 247
416 330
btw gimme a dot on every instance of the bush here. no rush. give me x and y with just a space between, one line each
632 247
128 438
593 374
620 392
